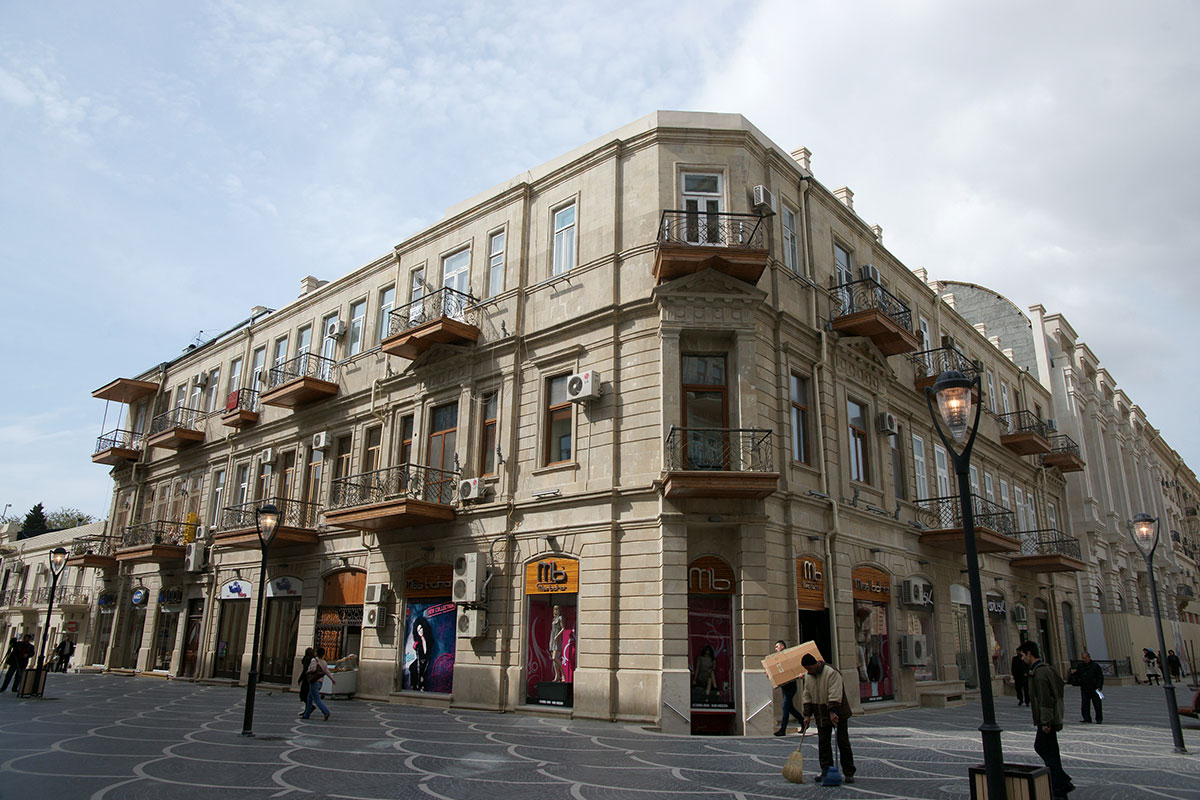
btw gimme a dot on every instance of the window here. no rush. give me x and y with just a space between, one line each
280 352
416 291
791 252
1004 398
218 492
988 489
1019 498
1052 516
1031 510
328 345
442 453
919 470
991 389
857 416
706 442
1004 494
941 466
214 390
926 341
304 340
558 421
235 377
496 264
341 463
564 240
406 439
702 199
287 475
358 326
901 486
841 264
387 301
800 419
262 486
487 436
974 479
257 366
372 448
456 275
197 391
316 469
243 485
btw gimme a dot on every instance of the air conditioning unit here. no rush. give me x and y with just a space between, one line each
584 386
1020 615
468 578
888 423
320 440
200 379
194 556
916 593
763 199
1051 425
267 456
375 593
335 329
375 616
470 489
472 622
870 272
913 650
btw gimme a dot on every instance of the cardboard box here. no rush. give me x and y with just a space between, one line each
785 665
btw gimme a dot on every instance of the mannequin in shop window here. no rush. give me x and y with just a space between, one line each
705 676
557 638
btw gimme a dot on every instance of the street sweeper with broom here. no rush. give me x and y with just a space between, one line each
824 697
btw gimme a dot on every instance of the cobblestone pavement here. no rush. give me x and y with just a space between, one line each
108 737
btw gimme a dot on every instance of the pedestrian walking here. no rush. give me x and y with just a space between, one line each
1020 676
302 683
1089 677
18 657
1151 661
1046 702
1174 666
317 670
63 653
824 697
789 696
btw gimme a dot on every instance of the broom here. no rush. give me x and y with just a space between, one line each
793 768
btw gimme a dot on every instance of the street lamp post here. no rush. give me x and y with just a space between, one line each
58 559
1144 531
266 521
955 394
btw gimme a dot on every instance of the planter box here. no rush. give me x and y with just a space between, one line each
1021 782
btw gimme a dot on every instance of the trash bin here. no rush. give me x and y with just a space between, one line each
1020 780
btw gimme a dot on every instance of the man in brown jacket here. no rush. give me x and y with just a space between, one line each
825 698
1046 702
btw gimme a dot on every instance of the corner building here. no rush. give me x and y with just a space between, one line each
589 445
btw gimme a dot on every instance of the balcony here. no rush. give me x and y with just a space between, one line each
18 601
995 526
1064 454
302 380
157 542
396 497
865 308
1049 551
719 462
92 551
446 316
929 364
298 524
177 428
125 390
689 241
1023 433
1185 592
118 447
65 597
241 409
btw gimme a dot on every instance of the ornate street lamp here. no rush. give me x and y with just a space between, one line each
1143 529
266 520
58 559
955 394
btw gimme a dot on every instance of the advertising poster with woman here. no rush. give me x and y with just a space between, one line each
429 640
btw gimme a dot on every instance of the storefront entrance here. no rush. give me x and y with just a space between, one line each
231 629
340 617
106 602
135 627
552 634
191 638
964 654
711 589
812 615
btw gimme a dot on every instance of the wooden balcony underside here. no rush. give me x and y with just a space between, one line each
247 538
704 483
1067 462
175 438
92 560
888 335
391 514
152 554
239 418
125 390
676 260
298 392
1025 443
986 540
443 330
115 456
1051 562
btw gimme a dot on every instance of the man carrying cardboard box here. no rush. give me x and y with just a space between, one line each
789 695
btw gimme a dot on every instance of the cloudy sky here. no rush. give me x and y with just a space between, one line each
166 166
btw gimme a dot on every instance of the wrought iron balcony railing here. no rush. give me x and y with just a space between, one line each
97 545
1183 590
292 514
17 599
241 400
191 419
307 365
444 302
1061 443
712 229
941 513
406 481
868 294
931 363
1023 422
158 531
719 449
125 440
64 596
1048 542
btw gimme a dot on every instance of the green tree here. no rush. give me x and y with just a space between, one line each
35 523
67 517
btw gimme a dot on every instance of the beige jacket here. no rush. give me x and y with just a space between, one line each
824 692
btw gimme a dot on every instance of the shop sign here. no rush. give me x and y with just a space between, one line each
871 584
996 606
71 626
552 576
236 589
140 596
106 600
429 581
711 575
285 586
170 596
810 583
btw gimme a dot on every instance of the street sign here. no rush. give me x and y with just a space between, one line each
71 626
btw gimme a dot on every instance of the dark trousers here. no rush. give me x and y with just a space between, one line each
15 671
1022 686
825 749
789 710
1046 746
1089 699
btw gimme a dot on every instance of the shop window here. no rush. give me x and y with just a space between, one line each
430 634
997 633
340 615
551 629
711 588
871 591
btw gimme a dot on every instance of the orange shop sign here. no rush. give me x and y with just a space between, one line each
871 584
552 576
810 583
711 575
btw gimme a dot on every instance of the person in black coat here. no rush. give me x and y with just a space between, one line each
1020 676
309 653
789 697
1090 679
18 656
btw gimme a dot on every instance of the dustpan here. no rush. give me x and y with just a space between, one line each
833 776
793 768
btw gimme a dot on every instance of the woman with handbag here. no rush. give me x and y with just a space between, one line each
317 670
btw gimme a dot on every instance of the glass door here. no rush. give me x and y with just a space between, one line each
191 639
280 629
164 639
456 276
443 436
705 413
231 639
702 199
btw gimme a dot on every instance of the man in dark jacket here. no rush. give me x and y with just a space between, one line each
789 697
1174 666
1090 679
1046 702
1020 676
824 697
19 654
